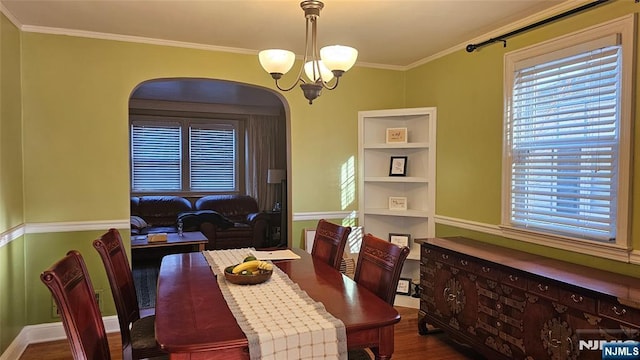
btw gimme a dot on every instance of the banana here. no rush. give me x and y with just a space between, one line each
252 266
247 265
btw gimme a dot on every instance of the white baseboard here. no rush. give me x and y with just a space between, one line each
33 334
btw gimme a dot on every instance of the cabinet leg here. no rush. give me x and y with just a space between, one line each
426 329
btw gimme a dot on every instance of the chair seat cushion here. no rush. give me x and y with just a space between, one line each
143 333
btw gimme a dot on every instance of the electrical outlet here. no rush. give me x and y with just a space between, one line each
99 299
54 307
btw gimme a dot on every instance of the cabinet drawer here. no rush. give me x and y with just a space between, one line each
514 280
577 300
614 310
488 271
439 256
543 288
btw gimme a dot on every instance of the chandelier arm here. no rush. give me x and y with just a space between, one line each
324 85
314 50
299 78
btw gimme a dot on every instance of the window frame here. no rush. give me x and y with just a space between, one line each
618 250
185 123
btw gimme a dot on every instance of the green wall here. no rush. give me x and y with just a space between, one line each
467 89
12 265
64 142
76 146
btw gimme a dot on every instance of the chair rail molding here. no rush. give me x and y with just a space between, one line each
9 235
348 214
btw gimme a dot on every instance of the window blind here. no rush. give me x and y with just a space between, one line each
156 157
563 135
213 158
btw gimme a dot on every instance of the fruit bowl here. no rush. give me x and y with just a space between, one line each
248 279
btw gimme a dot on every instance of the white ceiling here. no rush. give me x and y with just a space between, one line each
388 33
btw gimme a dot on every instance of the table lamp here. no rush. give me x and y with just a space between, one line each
275 176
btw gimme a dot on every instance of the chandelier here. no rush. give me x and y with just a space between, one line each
319 67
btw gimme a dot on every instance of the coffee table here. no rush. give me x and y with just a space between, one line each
195 238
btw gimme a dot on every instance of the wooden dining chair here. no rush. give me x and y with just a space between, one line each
329 242
70 285
137 333
378 269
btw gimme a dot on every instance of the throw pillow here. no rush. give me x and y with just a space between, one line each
138 223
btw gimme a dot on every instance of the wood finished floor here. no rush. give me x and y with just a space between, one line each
409 345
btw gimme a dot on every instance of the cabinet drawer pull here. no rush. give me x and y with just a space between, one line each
485 269
619 312
448 295
543 287
464 262
513 278
554 342
445 256
577 299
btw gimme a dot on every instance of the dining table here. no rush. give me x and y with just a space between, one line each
194 322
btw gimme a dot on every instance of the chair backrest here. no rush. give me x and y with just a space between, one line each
70 285
329 242
379 266
123 289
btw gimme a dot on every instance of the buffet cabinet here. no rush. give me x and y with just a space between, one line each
508 304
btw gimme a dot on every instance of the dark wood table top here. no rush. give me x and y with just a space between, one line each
192 315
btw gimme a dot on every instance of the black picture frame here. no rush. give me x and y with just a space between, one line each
398 166
404 286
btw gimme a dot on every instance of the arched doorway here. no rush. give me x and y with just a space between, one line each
260 117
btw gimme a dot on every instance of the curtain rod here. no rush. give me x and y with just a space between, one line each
472 47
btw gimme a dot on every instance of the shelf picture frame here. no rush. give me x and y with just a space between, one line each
404 286
396 135
400 239
398 166
397 203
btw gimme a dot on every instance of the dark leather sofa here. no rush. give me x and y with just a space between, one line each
249 228
228 221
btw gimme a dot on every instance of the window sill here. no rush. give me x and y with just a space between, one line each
593 248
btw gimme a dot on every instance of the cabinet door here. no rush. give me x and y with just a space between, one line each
454 292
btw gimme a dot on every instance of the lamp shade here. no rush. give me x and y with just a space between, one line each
276 60
338 57
275 176
327 75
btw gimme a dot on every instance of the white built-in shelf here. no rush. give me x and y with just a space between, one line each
408 213
376 186
398 146
396 179
407 301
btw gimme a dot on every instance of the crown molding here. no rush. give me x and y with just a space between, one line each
567 5
10 16
560 8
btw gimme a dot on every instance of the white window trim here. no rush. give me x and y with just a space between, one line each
625 26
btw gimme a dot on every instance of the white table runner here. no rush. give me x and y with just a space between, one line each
279 319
